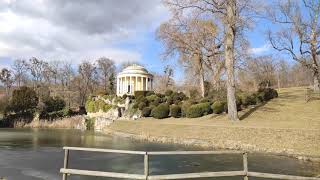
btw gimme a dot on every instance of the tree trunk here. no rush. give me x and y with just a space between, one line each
229 58
316 81
203 89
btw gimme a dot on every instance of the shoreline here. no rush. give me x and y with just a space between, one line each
202 143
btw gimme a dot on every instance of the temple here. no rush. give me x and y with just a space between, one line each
134 78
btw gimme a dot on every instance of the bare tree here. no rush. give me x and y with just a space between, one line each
259 72
7 79
234 16
299 35
87 73
106 68
65 76
36 68
168 73
194 40
19 69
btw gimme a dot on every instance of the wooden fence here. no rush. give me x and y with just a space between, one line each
244 172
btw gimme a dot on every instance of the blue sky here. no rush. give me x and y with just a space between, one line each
62 30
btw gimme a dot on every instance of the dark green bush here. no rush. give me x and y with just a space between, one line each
161 111
178 96
168 92
156 102
152 107
152 98
67 112
146 112
53 104
175 111
142 93
124 96
23 101
268 93
142 105
199 110
169 100
248 99
260 97
149 93
160 95
218 107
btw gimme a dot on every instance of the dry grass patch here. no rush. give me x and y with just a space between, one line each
286 124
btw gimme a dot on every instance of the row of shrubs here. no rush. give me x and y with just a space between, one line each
161 106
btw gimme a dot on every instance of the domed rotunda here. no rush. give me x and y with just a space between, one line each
134 78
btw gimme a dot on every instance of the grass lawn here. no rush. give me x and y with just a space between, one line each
286 124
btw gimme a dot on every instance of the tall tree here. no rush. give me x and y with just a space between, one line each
87 73
36 68
168 72
19 69
106 68
234 16
194 42
299 34
7 79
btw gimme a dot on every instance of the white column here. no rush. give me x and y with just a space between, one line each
130 84
136 84
118 85
141 83
146 83
125 85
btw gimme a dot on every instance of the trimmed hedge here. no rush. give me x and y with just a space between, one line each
161 111
248 99
199 110
142 93
218 107
175 111
146 112
168 92
142 105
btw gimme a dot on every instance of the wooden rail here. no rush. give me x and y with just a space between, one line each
245 172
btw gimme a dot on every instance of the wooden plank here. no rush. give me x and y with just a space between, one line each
192 152
280 176
65 163
245 165
104 150
198 175
102 174
146 165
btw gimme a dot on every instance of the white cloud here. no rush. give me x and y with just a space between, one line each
260 50
76 30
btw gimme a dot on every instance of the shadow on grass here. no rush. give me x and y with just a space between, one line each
252 110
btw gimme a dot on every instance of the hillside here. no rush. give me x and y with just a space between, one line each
286 125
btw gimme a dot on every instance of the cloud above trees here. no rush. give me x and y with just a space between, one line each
76 30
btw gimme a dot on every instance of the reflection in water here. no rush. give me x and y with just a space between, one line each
33 154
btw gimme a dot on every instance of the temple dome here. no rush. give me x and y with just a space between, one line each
134 69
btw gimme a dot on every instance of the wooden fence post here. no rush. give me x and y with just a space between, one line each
146 165
245 165
65 163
